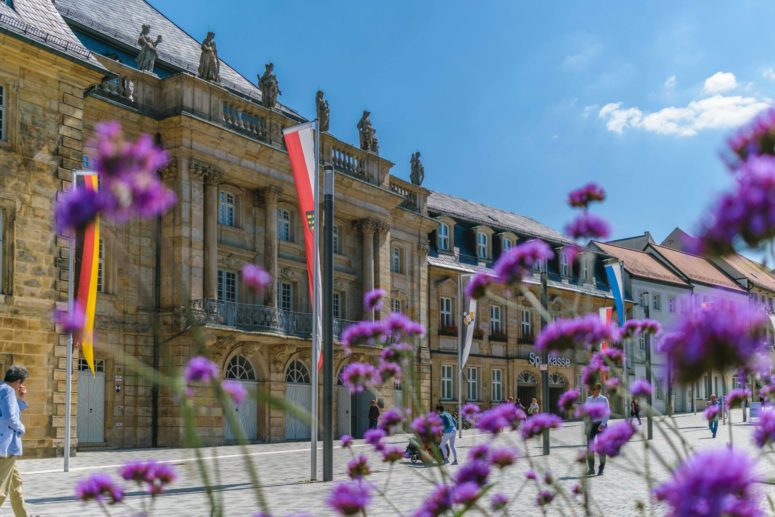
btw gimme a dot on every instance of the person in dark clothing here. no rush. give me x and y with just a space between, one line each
635 411
373 415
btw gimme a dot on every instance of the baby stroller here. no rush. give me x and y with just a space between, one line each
416 454
412 452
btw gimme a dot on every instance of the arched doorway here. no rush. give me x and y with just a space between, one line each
526 387
558 384
241 370
298 390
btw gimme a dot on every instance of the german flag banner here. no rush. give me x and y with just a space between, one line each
87 258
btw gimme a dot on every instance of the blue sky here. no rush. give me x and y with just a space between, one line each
514 103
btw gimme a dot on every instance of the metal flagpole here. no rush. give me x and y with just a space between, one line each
69 362
315 313
328 326
459 356
544 367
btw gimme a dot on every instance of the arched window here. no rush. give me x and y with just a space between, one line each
297 373
557 381
526 378
239 368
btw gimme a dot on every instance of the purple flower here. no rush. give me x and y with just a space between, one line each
162 474
347 441
359 376
363 333
470 411
358 467
350 497
613 438
478 285
594 371
577 490
764 430
155 475
612 384
398 325
588 226
513 265
611 355
389 371
595 411
200 369
737 396
255 278
564 334
479 452
644 326
465 493
754 138
474 471
390 420
428 428
641 388
438 502
71 322
767 392
544 497
537 424
503 457
502 416
720 336
568 400
76 208
391 453
498 501
375 438
236 390
137 471
712 412
530 474
713 482
98 487
582 197
372 301
396 353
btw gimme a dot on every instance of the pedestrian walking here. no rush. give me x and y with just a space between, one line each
373 415
12 403
534 408
595 427
714 418
448 435
635 411
520 405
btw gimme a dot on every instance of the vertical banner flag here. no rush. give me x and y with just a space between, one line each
469 320
300 142
614 273
87 258
606 313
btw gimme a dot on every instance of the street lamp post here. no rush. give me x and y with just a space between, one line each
545 358
649 419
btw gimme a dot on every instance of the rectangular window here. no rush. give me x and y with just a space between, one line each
564 263
642 341
527 323
336 305
445 309
101 267
336 241
496 327
584 269
226 209
285 294
657 302
671 304
443 237
658 391
506 244
395 305
227 286
2 250
473 383
497 385
2 113
481 245
283 224
446 382
395 260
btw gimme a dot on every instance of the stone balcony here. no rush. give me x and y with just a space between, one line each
259 318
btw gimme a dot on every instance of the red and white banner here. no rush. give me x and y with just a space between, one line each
300 142
606 314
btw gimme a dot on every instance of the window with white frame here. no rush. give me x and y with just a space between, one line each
227 209
658 391
445 309
101 267
481 245
284 224
564 263
656 302
3 116
227 286
527 323
395 305
497 385
584 269
671 304
473 383
395 260
336 304
642 341
496 325
285 296
506 244
335 245
442 240
446 382
539 265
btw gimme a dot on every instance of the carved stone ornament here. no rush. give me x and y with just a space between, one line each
322 111
214 176
147 57
199 170
417 174
270 88
170 172
209 65
366 226
367 133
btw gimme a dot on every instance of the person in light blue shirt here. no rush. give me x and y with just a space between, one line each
12 403
448 436
594 427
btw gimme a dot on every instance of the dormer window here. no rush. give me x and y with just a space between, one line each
564 263
506 244
481 245
442 241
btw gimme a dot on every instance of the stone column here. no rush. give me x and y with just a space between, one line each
212 179
271 195
367 228
382 252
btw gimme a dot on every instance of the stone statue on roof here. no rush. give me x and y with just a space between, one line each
209 65
417 173
147 57
322 112
270 88
368 135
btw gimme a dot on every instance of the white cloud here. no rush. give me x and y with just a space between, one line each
670 83
720 82
769 73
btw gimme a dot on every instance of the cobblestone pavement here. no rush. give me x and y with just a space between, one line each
284 469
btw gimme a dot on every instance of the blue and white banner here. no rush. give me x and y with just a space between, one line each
614 273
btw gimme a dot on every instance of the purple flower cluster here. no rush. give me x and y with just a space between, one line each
594 371
588 226
391 420
720 336
428 428
375 438
764 431
755 138
611 384
537 424
234 389
498 501
346 441
359 376
438 502
518 262
466 493
156 476
564 334
478 285
736 396
544 497
589 193
503 457
358 467
502 416
713 482
641 388
613 438
568 400
476 471
99 487
200 369
255 278
595 411
712 412
395 326
767 391
470 411
391 453
372 301
644 326
350 497
71 322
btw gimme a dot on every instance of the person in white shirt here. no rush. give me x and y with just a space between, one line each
595 427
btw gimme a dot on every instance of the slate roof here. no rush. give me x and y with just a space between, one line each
696 268
121 20
39 21
753 271
494 217
641 264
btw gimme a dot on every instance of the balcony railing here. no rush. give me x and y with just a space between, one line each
259 318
